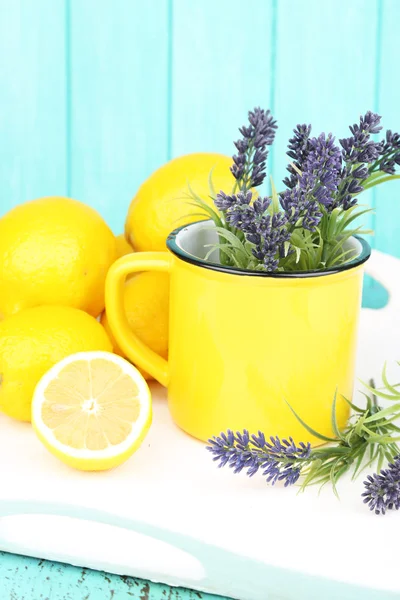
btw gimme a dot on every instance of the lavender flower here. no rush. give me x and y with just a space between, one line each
324 177
249 164
298 150
383 490
278 460
300 209
268 233
317 185
390 152
359 148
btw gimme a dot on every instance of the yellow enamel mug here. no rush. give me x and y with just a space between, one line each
243 345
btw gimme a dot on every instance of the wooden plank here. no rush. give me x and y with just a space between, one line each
326 75
316 81
387 196
22 577
118 75
32 116
222 67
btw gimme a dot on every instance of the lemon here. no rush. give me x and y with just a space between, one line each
54 251
35 339
146 302
123 247
92 410
161 203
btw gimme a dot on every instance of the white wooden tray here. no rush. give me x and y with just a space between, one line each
170 515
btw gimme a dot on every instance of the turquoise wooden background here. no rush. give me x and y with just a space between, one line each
96 94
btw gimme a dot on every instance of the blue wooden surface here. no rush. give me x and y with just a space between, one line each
24 578
95 94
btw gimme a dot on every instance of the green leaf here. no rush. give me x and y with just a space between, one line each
298 254
310 429
232 239
331 230
378 393
208 210
345 222
202 204
358 464
381 414
341 258
358 426
315 466
210 184
353 406
333 478
381 459
379 181
382 439
341 472
386 382
295 168
286 247
335 426
275 197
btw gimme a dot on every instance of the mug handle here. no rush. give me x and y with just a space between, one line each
130 344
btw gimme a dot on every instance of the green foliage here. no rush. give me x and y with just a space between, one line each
370 437
306 251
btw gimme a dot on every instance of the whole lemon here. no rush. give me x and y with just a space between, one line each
34 340
54 251
123 247
162 203
146 302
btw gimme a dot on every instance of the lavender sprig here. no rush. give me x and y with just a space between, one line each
267 233
278 460
250 163
383 489
359 148
298 149
316 185
370 436
305 227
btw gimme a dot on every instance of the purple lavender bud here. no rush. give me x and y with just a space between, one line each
236 171
261 205
361 172
360 148
244 197
249 167
246 132
298 149
383 490
393 139
242 146
223 201
370 122
354 187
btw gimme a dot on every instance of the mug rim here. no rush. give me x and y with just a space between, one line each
172 245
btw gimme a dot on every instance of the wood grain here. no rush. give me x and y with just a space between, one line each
117 95
33 153
24 578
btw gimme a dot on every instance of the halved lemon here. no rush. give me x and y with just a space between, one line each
92 410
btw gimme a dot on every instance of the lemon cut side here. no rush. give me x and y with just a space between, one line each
92 410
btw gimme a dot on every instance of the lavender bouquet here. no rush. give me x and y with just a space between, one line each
370 437
306 226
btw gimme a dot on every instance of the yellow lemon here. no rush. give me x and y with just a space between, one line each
35 339
54 251
123 247
162 203
146 301
92 410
